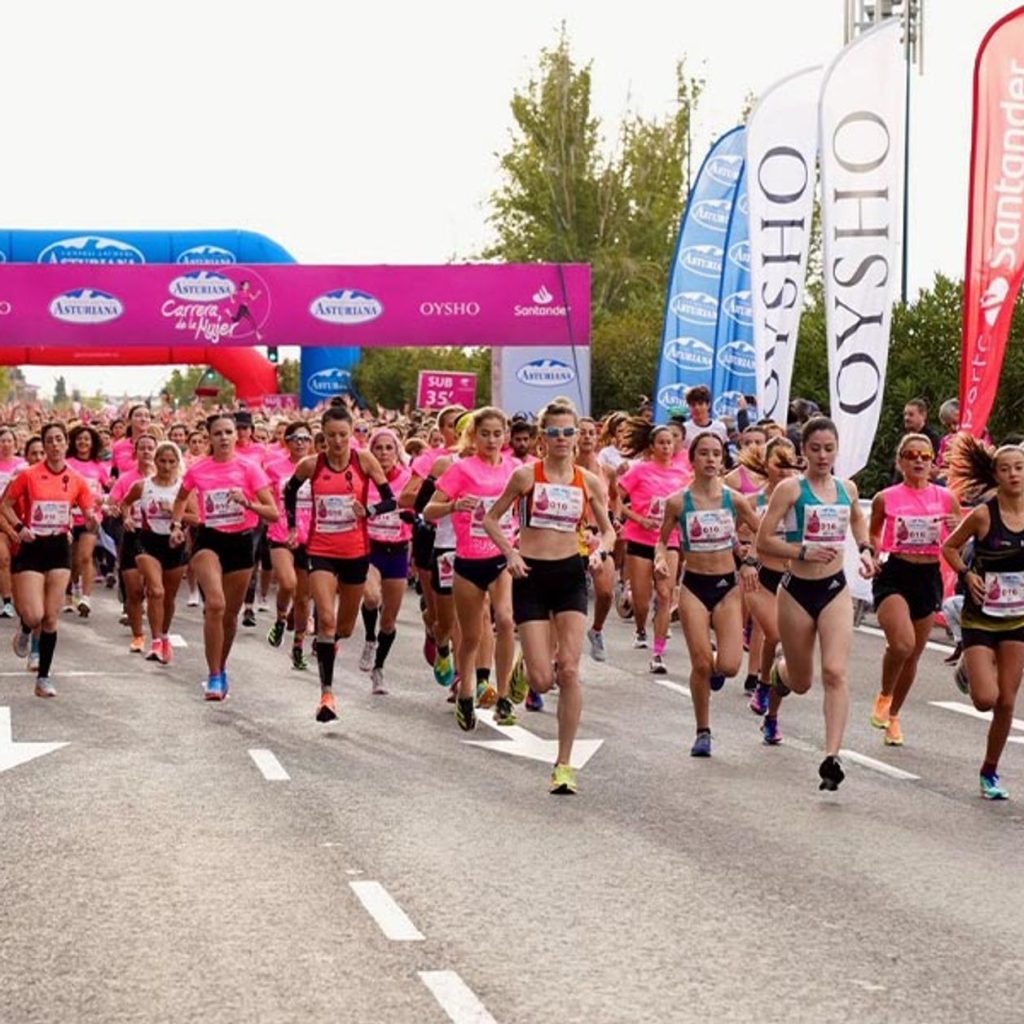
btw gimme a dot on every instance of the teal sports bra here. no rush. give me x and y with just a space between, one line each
817 522
705 530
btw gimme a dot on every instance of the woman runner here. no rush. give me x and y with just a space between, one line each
908 521
85 446
814 602
549 583
993 612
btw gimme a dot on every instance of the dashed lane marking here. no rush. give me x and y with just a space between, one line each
390 917
272 769
456 998
878 766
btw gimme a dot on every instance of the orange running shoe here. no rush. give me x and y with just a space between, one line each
166 656
327 710
138 645
893 732
880 714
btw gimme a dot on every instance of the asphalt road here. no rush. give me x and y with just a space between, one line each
151 871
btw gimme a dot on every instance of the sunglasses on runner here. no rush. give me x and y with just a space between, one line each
304 438
559 431
916 453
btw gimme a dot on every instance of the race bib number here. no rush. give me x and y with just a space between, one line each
158 511
50 517
826 524
386 527
335 513
656 509
556 507
1004 594
220 510
446 569
917 532
710 530
476 522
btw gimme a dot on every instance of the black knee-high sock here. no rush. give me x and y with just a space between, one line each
370 623
47 645
325 651
384 642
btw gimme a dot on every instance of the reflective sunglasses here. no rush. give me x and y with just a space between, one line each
304 438
559 431
917 453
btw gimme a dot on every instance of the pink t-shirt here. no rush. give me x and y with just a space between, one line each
8 470
97 476
123 454
280 471
649 485
472 477
424 462
915 519
388 528
254 452
122 485
213 481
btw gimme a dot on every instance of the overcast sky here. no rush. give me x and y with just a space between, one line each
368 133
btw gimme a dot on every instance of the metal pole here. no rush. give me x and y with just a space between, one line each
906 160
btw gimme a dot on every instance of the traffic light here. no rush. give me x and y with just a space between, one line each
272 354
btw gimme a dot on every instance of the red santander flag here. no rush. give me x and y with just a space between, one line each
995 221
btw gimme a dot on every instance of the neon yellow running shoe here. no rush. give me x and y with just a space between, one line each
563 780
519 685
880 712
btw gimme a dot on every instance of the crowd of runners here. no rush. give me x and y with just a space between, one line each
518 536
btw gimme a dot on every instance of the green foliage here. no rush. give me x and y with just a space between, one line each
626 347
288 377
6 384
388 376
60 391
182 386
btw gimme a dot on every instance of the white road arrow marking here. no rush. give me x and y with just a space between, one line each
520 743
12 754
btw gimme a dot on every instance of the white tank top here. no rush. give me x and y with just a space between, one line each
156 503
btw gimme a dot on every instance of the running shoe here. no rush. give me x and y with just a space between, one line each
377 681
657 666
166 650
84 606
623 600
831 772
224 684
504 712
534 701
518 685
193 599
69 605
156 650
759 699
327 709
299 659
123 617
990 788
263 606
444 669
20 643
750 683
214 687
639 639
597 650
249 617
880 712
563 780
111 581
7 611
464 714
960 678
453 692
366 659
138 645
429 649
486 695
45 688
701 745
776 681
771 734
893 732
276 634
33 655
716 681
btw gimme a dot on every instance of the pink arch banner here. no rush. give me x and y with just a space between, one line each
83 306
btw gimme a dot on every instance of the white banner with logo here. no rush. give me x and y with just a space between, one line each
782 154
863 105
525 378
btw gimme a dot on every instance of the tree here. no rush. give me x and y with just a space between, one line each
182 386
388 376
288 377
60 391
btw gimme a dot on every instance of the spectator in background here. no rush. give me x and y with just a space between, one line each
915 420
698 399
800 411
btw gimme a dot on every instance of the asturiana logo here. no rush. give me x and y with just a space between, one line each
690 354
737 307
346 306
694 307
712 214
724 168
86 306
745 205
727 403
90 249
332 381
702 260
542 299
739 357
545 373
3 256
211 255
672 396
739 255
202 286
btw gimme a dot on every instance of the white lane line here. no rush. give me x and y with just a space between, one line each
931 645
878 766
456 998
390 917
177 640
674 687
971 711
269 765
